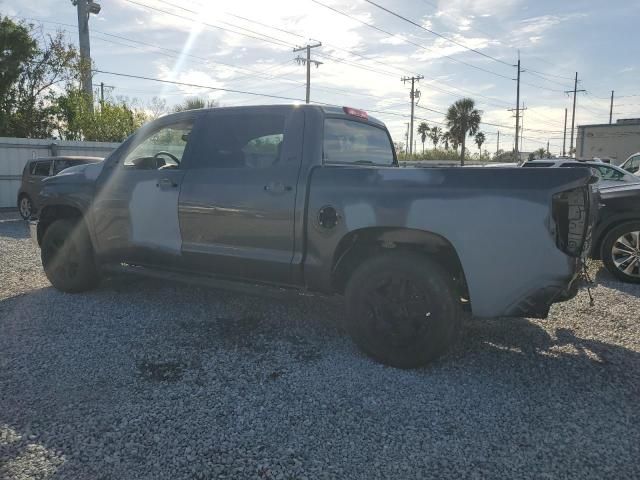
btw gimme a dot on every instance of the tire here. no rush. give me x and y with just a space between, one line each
623 239
67 257
402 309
25 206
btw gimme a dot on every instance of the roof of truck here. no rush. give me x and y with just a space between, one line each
346 111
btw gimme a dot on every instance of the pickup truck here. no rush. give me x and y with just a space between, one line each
311 198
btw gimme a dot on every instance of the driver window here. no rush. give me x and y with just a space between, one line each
162 148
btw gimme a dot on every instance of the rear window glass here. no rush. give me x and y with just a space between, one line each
41 169
347 141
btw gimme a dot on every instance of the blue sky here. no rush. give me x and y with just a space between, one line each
247 45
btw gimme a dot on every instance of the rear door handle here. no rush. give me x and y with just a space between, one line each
166 183
277 187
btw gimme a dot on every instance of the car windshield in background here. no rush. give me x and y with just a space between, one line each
348 141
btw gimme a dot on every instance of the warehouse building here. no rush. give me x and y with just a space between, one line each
616 141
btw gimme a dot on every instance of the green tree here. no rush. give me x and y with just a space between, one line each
463 119
17 48
113 121
423 131
29 77
480 139
434 135
194 104
540 153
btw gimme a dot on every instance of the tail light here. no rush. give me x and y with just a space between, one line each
570 211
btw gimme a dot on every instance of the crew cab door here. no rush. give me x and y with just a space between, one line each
135 211
238 198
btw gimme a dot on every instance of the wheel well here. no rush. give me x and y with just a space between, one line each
597 245
50 214
358 246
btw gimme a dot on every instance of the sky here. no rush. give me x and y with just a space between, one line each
462 48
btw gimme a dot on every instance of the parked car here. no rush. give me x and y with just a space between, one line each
609 175
616 238
311 198
37 170
632 164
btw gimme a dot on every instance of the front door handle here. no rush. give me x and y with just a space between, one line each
166 183
277 187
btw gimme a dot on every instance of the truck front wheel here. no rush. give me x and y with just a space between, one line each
402 309
67 257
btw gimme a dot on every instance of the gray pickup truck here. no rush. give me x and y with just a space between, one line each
312 198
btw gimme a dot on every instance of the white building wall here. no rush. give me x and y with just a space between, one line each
616 141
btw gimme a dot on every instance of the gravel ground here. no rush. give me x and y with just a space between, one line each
146 380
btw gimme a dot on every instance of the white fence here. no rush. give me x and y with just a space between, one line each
16 152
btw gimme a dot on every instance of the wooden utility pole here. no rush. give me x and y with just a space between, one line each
498 143
573 114
406 147
85 8
414 95
564 137
611 108
308 61
522 127
518 106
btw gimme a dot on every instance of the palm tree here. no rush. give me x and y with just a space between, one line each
446 138
480 138
435 134
463 119
423 130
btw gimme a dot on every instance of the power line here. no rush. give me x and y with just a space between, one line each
397 15
408 41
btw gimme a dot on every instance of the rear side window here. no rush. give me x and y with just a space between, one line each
60 165
241 140
41 169
347 141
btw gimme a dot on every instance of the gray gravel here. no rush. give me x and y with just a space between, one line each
146 380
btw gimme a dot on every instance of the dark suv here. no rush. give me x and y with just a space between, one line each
38 169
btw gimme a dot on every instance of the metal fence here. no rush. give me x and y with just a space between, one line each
16 152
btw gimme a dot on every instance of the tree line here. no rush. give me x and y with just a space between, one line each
40 94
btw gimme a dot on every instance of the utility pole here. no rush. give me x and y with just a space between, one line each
102 87
414 95
564 137
85 8
518 105
519 126
522 127
548 148
498 143
573 114
307 61
611 108
406 145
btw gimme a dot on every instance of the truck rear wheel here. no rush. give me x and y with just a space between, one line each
67 257
402 309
